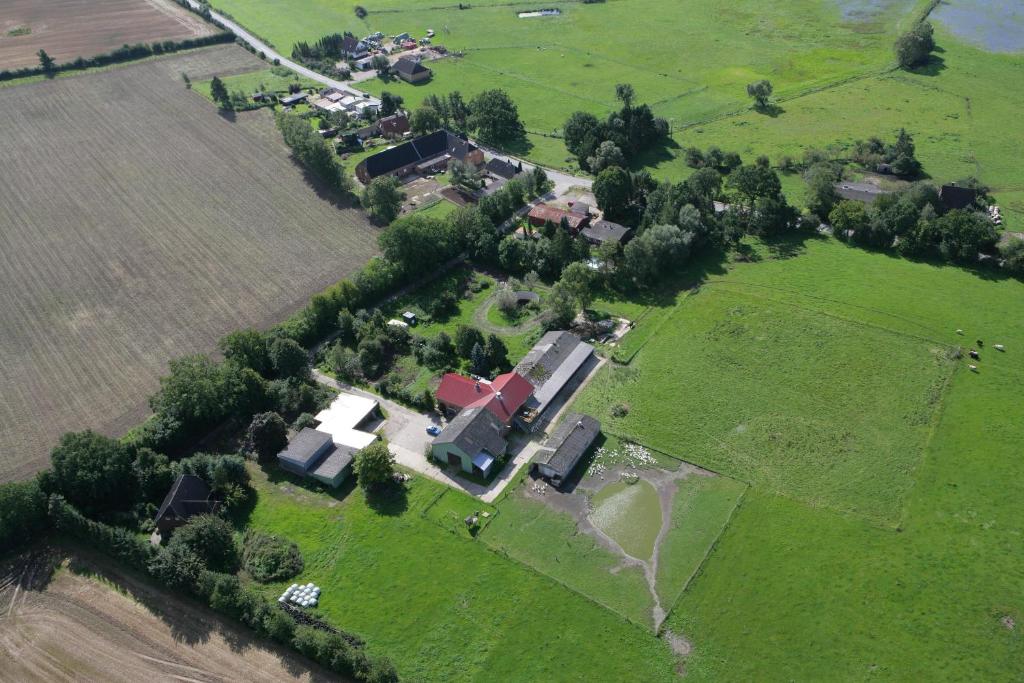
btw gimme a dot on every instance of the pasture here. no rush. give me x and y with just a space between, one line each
140 225
921 580
70 615
442 606
68 29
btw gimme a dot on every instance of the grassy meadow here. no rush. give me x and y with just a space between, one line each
444 607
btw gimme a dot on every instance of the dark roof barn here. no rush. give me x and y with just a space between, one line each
189 496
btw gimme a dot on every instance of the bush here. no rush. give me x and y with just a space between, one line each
211 539
94 473
266 436
374 466
22 513
270 558
114 541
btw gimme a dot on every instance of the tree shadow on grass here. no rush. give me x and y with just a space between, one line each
664 151
771 109
391 500
935 66
519 147
337 198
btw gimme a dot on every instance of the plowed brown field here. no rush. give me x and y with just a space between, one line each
68 29
137 225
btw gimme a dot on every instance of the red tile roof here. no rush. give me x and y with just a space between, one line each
503 397
543 212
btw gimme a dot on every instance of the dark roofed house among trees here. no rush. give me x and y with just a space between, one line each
189 496
602 231
563 450
954 196
411 71
426 154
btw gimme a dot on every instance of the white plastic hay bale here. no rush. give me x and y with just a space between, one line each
293 586
312 603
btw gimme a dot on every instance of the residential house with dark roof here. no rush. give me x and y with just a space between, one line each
474 441
562 451
550 366
426 154
353 48
580 208
189 496
601 231
411 70
503 169
543 213
953 196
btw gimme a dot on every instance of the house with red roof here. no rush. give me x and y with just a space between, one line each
503 397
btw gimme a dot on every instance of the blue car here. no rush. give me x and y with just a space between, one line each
433 430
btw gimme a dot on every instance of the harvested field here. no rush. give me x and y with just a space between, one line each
140 225
65 618
67 29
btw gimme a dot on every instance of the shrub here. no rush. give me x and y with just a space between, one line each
266 436
117 542
620 410
22 513
211 539
374 466
270 558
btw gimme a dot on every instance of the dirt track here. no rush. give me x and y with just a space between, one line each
68 29
91 622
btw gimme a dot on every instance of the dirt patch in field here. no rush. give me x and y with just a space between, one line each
68 29
67 616
139 225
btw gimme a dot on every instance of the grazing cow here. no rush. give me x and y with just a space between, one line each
1000 347
974 368
980 343
974 354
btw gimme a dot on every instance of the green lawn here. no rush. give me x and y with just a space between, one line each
446 608
264 80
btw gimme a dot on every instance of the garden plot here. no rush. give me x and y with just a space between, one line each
629 535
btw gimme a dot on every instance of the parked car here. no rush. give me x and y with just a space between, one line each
433 430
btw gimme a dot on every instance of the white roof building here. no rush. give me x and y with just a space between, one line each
343 418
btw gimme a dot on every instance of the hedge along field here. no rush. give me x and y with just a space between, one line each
794 592
444 607
140 225
689 61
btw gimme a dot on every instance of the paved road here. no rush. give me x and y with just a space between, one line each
272 54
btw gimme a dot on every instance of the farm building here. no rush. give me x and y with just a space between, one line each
953 196
602 231
312 453
345 416
543 213
411 70
500 168
580 208
859 192
426 154
474 441
189 496
563 450
503 397
550 366
293 99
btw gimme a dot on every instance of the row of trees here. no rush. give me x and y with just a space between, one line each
914 48
616 140
491 116
324 55
312 151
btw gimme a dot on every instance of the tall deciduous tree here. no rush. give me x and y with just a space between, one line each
374 466
94 473
760 91
383 198
495 117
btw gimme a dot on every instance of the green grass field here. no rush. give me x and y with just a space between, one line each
265 80
446 608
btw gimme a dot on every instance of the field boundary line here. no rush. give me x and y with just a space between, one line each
703 561
657 327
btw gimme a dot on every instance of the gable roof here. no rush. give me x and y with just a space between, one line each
956 197
544 212
502 168
189 495
332 464
396 124
549 366
582 208
474 430
409 66
567 444
605 231
461 391
415 151
503 397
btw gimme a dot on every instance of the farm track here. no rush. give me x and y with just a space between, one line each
139 225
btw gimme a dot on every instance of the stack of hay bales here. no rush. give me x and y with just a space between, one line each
301 596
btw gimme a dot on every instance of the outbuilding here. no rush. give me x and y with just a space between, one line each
473 441
189 496
563 450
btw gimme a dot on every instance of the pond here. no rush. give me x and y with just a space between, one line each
869 10
630 514
995 25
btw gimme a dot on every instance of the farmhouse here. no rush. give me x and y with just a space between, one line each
602 231
500 168
353 48
426 154
411 71
312 453
953 196
544 213
189 496
474 441
564 449
503 397
549 366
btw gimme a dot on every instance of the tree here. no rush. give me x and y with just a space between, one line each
383 198
612 190
417 243
46 61
607 154
381 65
374 466
346 327
248 349
311 150
495 118
22 513
288 358
1012 252
471 229
219 93
624 93
576 129
389 103
439 352
187 80
459 110
266 436
466 338
197 392
760 91
751 182
847 219
497 353
478 360
580 281
424 120
964 235
211 539
560 308
902 155
821 190
94 473
914 47
153 473
464 176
